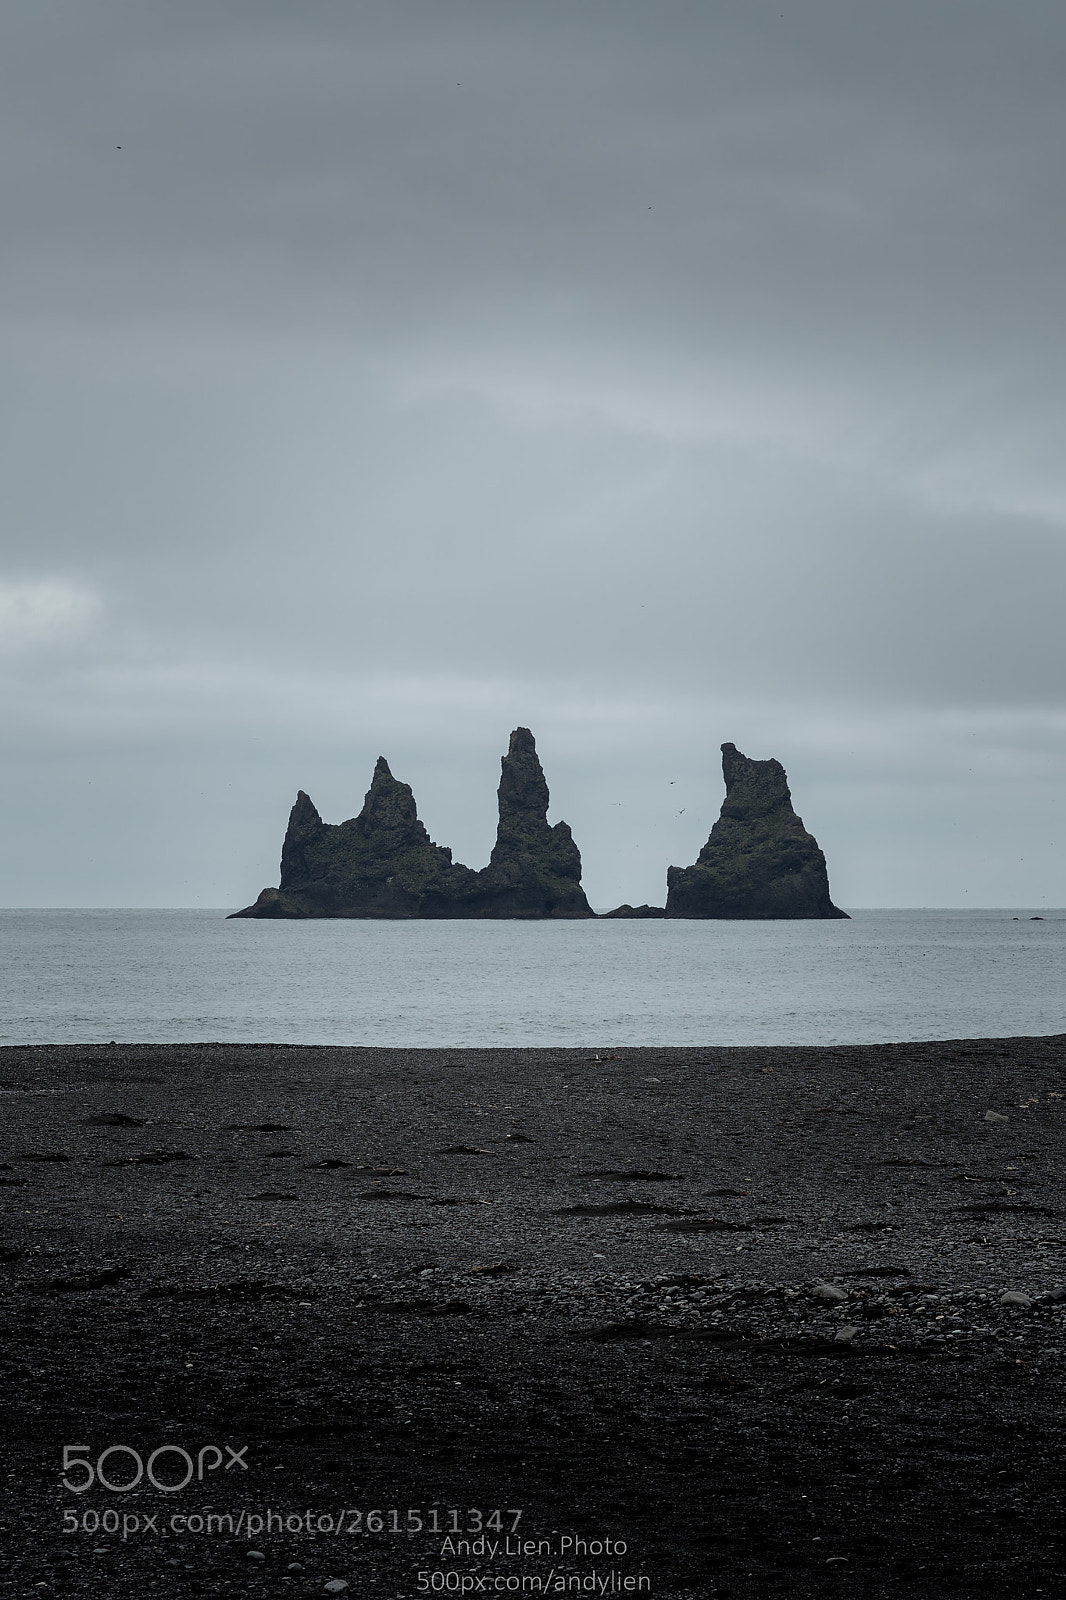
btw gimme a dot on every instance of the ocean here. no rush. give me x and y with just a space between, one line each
177 976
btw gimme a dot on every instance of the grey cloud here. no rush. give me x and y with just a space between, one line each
594 356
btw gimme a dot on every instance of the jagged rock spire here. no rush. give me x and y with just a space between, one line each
535 869
383 863
759 862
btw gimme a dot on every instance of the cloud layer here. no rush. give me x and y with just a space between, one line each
380 377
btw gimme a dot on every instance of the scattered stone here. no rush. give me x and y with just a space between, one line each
464 1150
986 1208
245 1291
150 1158
83 1282
336 1585
707 1225
828 1291
559 1287
633 1175
422 1308
257 1127
255 1555
995 1116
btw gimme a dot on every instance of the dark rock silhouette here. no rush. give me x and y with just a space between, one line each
759 862
628 911
535 869
383 863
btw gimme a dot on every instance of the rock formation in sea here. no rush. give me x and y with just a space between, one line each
759 862
535 869
628 912
383 863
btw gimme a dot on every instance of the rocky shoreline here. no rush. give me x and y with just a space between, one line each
740 1311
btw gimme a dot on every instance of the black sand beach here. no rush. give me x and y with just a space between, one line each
437 1284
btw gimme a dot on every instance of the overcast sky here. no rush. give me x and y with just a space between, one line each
379 376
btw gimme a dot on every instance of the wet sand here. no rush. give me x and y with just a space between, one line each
736 1310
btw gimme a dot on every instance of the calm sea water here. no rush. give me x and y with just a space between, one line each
178 976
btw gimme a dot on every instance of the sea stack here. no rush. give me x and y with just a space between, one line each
760 862
535 869
383 864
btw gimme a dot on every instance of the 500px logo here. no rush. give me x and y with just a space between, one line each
120 1467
